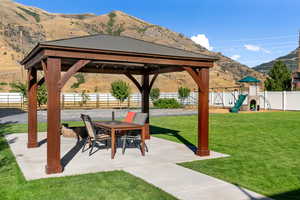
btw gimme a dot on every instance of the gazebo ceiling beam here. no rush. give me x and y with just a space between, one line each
119 63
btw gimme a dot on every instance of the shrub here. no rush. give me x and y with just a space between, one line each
120 90
183 93
154 94
166 103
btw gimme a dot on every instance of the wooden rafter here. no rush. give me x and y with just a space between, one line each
72 70
41 81
136 83
153 80
45 70
195 75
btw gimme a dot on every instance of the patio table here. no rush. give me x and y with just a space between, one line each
119 126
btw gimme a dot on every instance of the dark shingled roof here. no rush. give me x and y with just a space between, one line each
123 44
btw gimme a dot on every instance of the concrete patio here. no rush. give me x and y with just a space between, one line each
158 167
32 161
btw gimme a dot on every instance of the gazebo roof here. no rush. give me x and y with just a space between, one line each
123 44
249 79
116 55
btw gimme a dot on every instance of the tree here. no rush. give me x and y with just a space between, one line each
20 88
183 93
84 97
154 94
42 95
80 80
279 78
120 90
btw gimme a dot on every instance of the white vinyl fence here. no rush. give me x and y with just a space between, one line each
268 100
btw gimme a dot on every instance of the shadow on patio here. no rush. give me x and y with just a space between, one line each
175 133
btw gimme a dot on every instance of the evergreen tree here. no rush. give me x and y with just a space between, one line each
279 78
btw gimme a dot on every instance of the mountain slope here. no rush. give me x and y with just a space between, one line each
22 27
290 60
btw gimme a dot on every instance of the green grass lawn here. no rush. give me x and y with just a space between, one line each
264 149
105 185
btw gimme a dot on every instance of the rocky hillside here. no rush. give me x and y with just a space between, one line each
22 27
290 60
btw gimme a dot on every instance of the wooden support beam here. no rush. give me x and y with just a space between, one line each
201 77
145 102
136 83
45 69
167 70
152 81
194 74
35 60
41 81
32 108
71 71
203 113
53 118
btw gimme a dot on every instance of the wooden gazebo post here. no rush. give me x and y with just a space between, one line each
145 101
201 77
32 108
53 75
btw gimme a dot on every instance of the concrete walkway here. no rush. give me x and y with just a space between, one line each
187 184
157 167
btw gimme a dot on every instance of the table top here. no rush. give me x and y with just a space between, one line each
117 124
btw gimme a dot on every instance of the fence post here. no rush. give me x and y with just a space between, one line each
223 98
212 98
128 101
74 98
283 100
97 100
62 101
107 100
265 98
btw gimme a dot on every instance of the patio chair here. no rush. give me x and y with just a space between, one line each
133 136
94 135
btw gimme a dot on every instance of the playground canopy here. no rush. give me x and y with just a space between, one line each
249 79
111 55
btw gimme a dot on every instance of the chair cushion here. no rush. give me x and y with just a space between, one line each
140 118
129 117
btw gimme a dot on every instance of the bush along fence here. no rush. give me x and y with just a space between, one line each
282 100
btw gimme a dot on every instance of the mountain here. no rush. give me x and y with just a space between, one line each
290 60
22 27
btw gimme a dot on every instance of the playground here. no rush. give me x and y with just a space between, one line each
244 97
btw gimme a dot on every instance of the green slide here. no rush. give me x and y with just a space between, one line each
238 103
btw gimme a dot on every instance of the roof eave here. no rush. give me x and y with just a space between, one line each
41 46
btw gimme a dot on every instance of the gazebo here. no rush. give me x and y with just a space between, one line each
112 55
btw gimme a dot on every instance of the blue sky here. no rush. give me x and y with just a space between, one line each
251 31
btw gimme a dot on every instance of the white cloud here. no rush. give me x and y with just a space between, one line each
235 57
202 40
252 47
